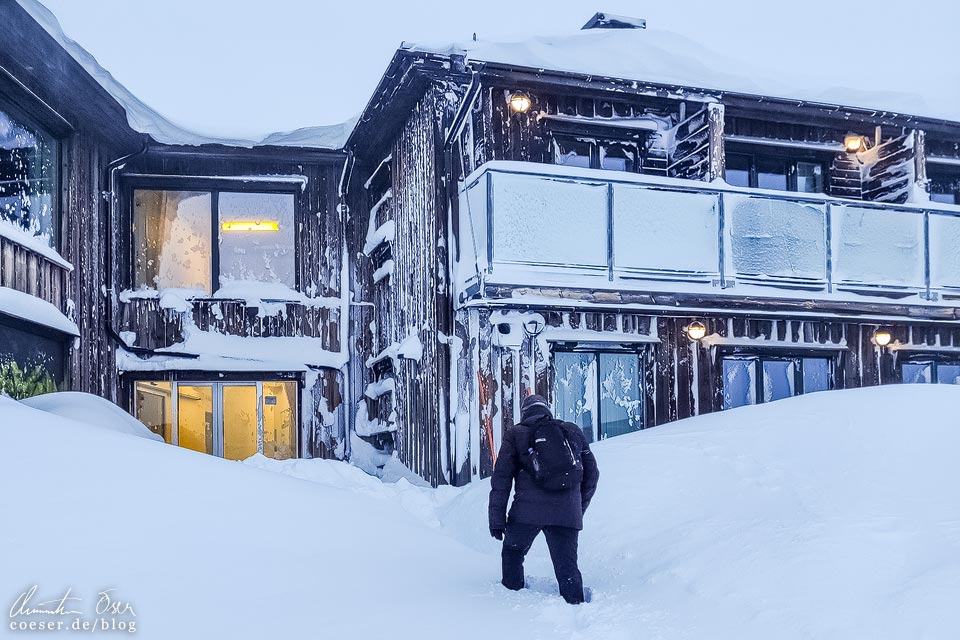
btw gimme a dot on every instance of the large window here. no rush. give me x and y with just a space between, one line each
752 379
930 371
233 420
29 166
174 234
774 172
597 153
600 391
944 186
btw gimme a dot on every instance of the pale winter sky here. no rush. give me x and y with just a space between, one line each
244 68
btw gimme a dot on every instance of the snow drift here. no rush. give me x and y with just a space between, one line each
832 515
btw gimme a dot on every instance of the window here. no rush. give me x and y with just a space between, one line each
761 171
600 391
232 420
595 153
174 232
930 371
944 187
751 379
29 167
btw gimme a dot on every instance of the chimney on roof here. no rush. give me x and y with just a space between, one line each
610 21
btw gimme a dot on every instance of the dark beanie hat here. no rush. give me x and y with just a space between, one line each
534 401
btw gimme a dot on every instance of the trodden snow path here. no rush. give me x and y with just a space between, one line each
827 516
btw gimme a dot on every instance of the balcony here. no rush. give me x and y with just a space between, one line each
526 225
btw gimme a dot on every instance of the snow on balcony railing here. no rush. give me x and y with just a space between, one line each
529 224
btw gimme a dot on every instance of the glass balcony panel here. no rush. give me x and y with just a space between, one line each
776 238
878 247
542 220
944 251
650 225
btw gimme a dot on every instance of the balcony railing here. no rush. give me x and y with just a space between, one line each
540 225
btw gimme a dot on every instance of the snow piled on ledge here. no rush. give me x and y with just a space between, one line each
666 58
829 516
24 306
144 119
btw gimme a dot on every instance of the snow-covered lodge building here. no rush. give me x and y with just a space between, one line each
597 218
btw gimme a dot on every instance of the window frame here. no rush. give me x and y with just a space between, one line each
597 349
598 140
217 387
214 186
790 157
56 128
939 176
795 356
935 363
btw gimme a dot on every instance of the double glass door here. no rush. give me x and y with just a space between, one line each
232 420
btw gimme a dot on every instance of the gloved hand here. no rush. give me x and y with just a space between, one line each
497 533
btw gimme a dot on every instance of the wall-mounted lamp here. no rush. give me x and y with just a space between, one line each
855 143
520 102
249 225
882 337
696 331
533 327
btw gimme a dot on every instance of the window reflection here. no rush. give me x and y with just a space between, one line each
29 166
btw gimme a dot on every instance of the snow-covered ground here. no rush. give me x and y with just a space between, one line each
832 515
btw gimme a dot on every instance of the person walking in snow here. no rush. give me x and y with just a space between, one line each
556 476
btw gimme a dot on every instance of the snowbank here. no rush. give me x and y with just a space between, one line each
832 515
91 410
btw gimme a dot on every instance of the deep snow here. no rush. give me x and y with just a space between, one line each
832 515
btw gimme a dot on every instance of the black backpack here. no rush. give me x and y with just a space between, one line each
550 459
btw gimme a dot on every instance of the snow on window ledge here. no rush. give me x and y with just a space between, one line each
37 244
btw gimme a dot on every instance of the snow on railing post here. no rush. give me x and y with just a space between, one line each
489 221
828 223
610 256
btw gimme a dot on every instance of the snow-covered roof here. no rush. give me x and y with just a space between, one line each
666 58
144 119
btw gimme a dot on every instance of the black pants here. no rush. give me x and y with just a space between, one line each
562 542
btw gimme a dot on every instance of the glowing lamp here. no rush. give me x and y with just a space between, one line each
882 337
854 143
249 225
520 102
696 331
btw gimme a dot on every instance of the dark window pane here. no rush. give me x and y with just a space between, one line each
621 407
739 382
778 379
945 198
771 174
618 157
573 153
948 373
809 177
575 390
816 375
737 171
919 372
29 164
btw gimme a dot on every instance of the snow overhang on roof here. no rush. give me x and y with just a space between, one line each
662 58
144 119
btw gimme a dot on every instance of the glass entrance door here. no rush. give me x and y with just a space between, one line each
233 420
240 420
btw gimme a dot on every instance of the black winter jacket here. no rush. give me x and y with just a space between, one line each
532 504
